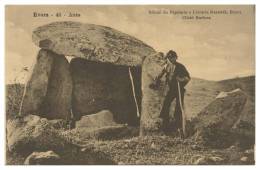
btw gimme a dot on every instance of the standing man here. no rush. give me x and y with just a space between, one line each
175 73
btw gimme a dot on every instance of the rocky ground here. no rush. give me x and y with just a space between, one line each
156 150
163 150
122 144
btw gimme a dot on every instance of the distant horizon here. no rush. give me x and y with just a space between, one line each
238 77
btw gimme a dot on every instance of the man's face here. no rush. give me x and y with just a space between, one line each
172 59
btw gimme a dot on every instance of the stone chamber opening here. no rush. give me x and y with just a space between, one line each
98 86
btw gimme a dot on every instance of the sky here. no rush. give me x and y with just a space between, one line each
219 48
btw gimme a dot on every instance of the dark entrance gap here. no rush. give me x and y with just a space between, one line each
98 86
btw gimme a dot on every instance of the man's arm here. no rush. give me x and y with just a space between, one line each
185 76
156 84
157 78
183 79
160 75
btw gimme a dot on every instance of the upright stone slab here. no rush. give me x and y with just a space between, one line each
37 85
48 91
152 100
57 103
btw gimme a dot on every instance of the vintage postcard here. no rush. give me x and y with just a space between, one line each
130 84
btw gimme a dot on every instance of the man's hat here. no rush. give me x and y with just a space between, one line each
172 53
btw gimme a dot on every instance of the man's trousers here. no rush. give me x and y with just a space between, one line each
171 95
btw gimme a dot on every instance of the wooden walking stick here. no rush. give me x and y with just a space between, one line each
182 111
133 89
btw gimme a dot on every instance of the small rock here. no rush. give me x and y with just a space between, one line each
195 147
249 151
216 159
232 147
83 149
163 137
43 158
128 140
101 119
214 151
244 159
208 160
58 123
138 162
121 163
222 95
201 161
185 142
153 146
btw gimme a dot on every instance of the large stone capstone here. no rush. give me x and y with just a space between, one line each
92 42
49 88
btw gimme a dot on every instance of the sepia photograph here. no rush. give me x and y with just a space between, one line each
129 84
